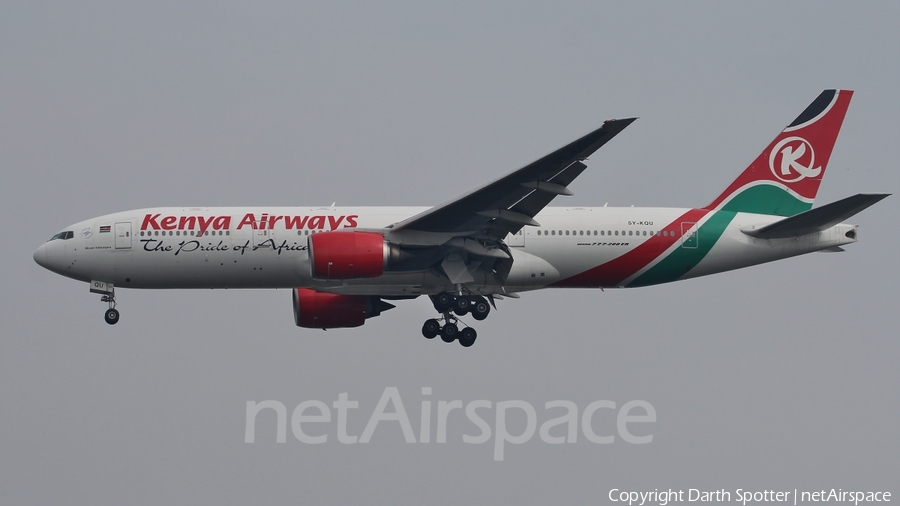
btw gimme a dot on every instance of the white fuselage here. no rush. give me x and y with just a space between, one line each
266 247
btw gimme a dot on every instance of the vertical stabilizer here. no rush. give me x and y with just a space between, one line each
785 177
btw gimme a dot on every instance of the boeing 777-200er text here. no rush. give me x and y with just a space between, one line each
343 264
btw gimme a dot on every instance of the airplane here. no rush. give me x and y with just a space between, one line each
343 264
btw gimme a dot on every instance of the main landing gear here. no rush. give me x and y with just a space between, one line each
451 307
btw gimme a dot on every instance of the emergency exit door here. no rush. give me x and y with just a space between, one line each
123 235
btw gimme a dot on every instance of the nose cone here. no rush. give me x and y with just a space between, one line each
40 256
52 256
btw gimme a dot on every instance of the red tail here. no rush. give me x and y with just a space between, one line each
785 177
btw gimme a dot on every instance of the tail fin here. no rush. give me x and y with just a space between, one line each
785 177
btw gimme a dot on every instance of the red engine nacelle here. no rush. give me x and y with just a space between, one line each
321 310
347 255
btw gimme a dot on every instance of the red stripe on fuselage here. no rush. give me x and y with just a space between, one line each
612 273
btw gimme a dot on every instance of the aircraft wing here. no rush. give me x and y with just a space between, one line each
511 202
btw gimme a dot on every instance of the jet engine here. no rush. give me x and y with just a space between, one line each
322 310
348 255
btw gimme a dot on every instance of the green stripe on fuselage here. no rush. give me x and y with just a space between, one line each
766 199
682 259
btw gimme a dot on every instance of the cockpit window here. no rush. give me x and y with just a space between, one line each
68 234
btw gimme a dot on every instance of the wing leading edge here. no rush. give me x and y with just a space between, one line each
511 202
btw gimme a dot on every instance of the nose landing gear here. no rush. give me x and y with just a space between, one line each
108 295
451 308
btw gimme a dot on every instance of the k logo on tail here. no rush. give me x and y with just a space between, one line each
796 160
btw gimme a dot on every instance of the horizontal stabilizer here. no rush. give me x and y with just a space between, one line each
816 220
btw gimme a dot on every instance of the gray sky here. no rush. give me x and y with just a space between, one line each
777 377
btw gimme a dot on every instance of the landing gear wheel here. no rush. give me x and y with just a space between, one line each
442 301
449 332
431 328
461 305
480 308
111 316
467 337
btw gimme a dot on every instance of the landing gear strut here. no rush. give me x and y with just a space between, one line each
451 308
